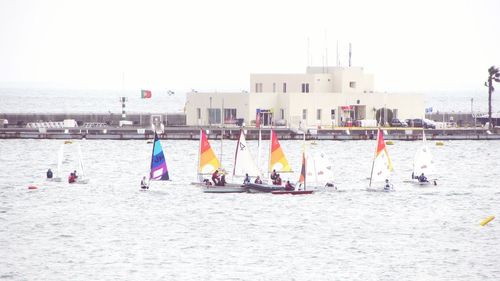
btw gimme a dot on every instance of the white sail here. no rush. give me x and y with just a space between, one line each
381 167
422 162
81 174
323 169
243 162
60 157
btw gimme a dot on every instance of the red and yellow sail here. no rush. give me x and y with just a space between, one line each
208 161
277 159
302 178
382 149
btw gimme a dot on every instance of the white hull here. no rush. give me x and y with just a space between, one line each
82 181
429 183
379 189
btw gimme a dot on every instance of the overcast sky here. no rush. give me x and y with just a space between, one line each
214 45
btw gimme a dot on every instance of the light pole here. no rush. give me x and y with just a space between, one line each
210 113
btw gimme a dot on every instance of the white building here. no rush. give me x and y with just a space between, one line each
322 97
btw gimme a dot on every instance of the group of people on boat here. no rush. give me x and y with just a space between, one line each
276 178
219 179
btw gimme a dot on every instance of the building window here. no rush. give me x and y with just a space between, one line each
282 113
258 87
274 87
214 116
284 87
332 113
198 113
304 114
305 87
352 84
229 115
318 114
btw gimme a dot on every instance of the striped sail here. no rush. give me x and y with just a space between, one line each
277 160
158 165
302 178
208 161
382 165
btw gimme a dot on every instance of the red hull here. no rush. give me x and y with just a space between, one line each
293 192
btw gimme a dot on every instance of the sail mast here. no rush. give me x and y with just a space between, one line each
236 153
375 156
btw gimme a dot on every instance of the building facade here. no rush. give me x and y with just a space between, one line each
322 97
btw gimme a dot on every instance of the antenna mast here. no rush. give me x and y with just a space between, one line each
338 60
350 54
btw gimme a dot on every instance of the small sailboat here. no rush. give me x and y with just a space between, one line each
158 170
209 163
320 172
60 156
302 181
81 179
277 163
423 165
381 167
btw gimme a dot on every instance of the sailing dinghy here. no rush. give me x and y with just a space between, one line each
302 180
277 162
158 170
423 164
60 156
381 167
207 164
81 179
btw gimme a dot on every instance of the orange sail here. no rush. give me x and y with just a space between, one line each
277 160
302 178
208 161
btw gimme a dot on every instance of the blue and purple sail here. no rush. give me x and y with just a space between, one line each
159 169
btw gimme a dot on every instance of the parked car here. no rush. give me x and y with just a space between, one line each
419 123
397 123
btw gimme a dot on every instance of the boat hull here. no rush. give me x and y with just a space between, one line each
292 192
425 183
256 187
228 188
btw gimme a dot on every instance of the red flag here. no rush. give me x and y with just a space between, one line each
257 119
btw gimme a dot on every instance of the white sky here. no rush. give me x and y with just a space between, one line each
214 45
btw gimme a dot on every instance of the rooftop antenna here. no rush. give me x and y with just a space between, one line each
308 53
326 50
338 60
350 54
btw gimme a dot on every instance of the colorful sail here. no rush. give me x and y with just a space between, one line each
302 178
243 161
382 165
277 160
208 161
158 165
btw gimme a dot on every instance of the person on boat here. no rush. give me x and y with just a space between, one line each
222 181
274 175
247 179
71 178
289 186
331 185
422 178
258 180
207 182
144 184
74 174
277 181
215 177
49 174
388 185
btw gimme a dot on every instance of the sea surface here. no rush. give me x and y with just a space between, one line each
110 230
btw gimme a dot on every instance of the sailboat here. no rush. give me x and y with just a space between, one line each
302 180
319 171
381 167
423 164
277 163
158 170
60 156
81 179
207 164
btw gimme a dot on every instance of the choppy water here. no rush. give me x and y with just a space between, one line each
109 230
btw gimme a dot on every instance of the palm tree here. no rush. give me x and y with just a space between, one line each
494 75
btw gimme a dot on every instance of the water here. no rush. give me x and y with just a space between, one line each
109 230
